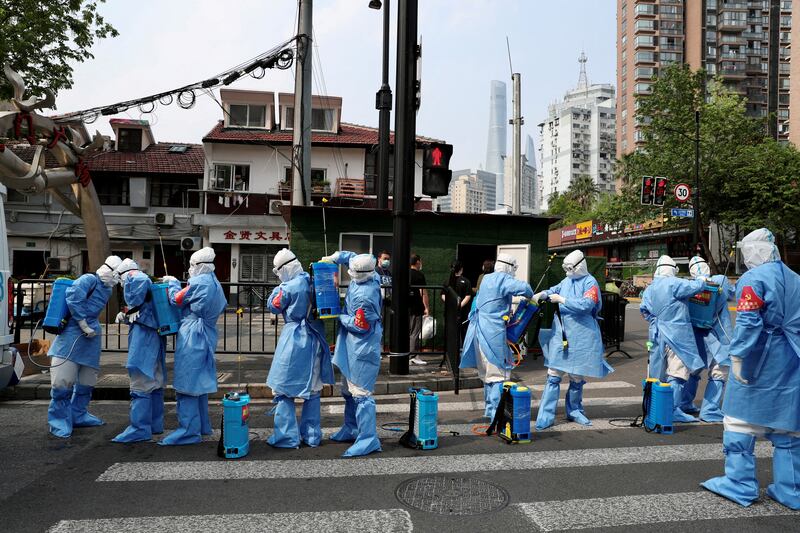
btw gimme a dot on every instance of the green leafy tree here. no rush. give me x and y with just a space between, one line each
43 40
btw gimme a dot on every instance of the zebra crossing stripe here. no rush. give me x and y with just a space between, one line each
459 430
643 509
389 520
597 385
338 409
421 464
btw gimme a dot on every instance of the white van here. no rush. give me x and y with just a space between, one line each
11 364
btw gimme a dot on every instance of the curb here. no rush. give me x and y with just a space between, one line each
41 391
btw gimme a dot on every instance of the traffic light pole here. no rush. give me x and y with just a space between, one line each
383 102
696 217
405 147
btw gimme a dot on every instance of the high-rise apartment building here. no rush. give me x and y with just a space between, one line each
577 139
745 42
488 184
468 195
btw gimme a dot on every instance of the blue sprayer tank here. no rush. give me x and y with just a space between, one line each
326 293
168 316
702 306
659 405
518 324
517 407
235 437
57 314
425 417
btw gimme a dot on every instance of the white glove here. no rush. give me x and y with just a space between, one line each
133 316
120 318
167 279
88 331
736 369
557 299
542 295
333 258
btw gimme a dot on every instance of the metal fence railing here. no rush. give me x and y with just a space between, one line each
254 331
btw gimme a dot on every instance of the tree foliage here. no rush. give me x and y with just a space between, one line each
43 40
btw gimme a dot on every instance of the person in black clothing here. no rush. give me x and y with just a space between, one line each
384 270
417 307
463 288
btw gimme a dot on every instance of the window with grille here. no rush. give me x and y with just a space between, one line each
174 192
255 264
112 191
230 177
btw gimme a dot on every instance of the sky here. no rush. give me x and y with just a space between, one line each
164 45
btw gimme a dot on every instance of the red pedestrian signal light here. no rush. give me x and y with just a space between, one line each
661 191
647 190
436 173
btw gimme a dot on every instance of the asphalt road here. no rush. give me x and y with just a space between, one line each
608 477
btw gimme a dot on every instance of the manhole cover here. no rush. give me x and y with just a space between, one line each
452 495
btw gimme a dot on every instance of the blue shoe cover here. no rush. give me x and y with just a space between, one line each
81 418
205 423
141 413
574 403
491 398
310 429
785 486
546 416
284 432
59 415
677 396
710 412
157 413
367 441
739 483
349 430
188 432
689 392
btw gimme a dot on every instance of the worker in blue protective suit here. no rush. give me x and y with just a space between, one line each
579 300
75 353
673 353
358 352
763 398
195 373
146 356
712 344
485 346
302 362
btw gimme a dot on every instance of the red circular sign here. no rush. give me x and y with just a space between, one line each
683 192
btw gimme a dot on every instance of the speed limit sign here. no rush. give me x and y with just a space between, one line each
682 192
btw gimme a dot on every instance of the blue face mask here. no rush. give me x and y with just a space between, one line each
385 264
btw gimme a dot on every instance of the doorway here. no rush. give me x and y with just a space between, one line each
29 264
472 257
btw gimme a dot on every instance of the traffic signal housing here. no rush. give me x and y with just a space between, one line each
660 194
647 190
436 173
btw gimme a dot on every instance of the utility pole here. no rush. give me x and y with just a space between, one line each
516 167
383 102
696 218
403 208
301 126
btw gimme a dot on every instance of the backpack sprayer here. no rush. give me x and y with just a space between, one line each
422 431
512 420
234 437
56 318
703 306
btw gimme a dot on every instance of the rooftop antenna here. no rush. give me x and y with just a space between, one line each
508 47
583 79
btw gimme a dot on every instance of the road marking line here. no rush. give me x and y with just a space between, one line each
391 520
463 430
427 464
643 509
478 405
598 385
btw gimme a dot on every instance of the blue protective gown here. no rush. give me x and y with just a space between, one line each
301 343
195 367
767 338
487 328
716 340
664 306
146 348
358 350
585 351
86 298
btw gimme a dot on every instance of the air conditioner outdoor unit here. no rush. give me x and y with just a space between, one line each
191 243
275 206
164 219
58 264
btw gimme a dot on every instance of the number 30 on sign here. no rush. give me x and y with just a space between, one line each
682 192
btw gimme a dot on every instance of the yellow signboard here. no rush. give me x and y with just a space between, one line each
584 230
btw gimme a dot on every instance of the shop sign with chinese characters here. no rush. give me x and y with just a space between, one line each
249 235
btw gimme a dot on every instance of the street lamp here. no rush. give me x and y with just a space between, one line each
383 103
